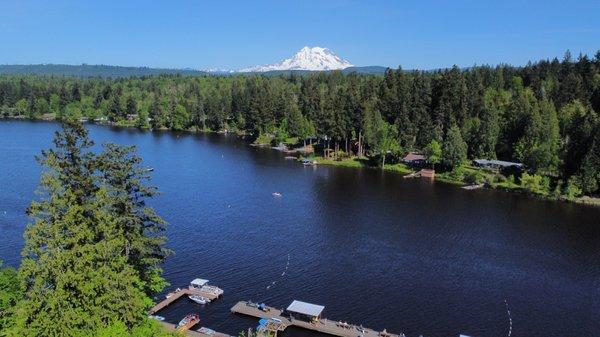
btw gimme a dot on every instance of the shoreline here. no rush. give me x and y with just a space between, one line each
446 179
352 162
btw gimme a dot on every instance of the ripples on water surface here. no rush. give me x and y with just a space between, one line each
376 249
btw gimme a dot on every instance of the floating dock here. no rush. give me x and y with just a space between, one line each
197 287
322 325
174 296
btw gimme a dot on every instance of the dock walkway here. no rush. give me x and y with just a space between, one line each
251 309
174 296
322 325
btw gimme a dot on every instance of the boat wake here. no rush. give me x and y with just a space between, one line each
287 265
509 318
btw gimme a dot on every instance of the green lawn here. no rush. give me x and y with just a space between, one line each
361 163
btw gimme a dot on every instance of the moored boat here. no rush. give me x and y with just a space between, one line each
206 331
156 317
199 299
188 321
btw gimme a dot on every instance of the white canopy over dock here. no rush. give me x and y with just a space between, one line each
198 283
307 309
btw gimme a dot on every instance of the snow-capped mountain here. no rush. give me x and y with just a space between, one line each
315 58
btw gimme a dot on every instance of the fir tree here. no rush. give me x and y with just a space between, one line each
90 258
454 151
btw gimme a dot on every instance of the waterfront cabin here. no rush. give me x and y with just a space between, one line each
304 311
496 164
413 158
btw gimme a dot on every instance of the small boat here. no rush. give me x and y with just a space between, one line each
199 299
276 194
156 317
307 162
188 321
206 331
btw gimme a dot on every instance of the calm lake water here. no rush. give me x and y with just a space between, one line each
374 248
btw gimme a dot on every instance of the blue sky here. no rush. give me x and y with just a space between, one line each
234 34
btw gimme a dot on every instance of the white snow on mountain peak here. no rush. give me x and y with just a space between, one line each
308 58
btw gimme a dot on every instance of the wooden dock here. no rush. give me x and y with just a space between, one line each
251 309
322 325
174 296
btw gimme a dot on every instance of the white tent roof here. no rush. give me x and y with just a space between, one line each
199 282
305 308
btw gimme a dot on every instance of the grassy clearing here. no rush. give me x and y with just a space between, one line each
399 167
356 162
348 162
291 141
263 140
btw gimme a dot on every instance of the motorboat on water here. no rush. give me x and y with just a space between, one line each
188 321
206 331
156 317
276 194
199 299
308 162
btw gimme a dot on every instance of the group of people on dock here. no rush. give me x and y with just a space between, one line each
345 325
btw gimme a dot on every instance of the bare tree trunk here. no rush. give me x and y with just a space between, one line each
360 149
347 152
383 161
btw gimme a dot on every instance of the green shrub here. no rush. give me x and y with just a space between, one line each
572 190
535 184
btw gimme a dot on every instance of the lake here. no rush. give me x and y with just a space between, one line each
407 255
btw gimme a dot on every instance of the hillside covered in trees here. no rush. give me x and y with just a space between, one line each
90 70
544 114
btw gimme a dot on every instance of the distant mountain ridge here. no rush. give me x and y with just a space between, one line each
86 70
105 71
306 60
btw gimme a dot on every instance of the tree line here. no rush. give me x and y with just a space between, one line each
543 114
